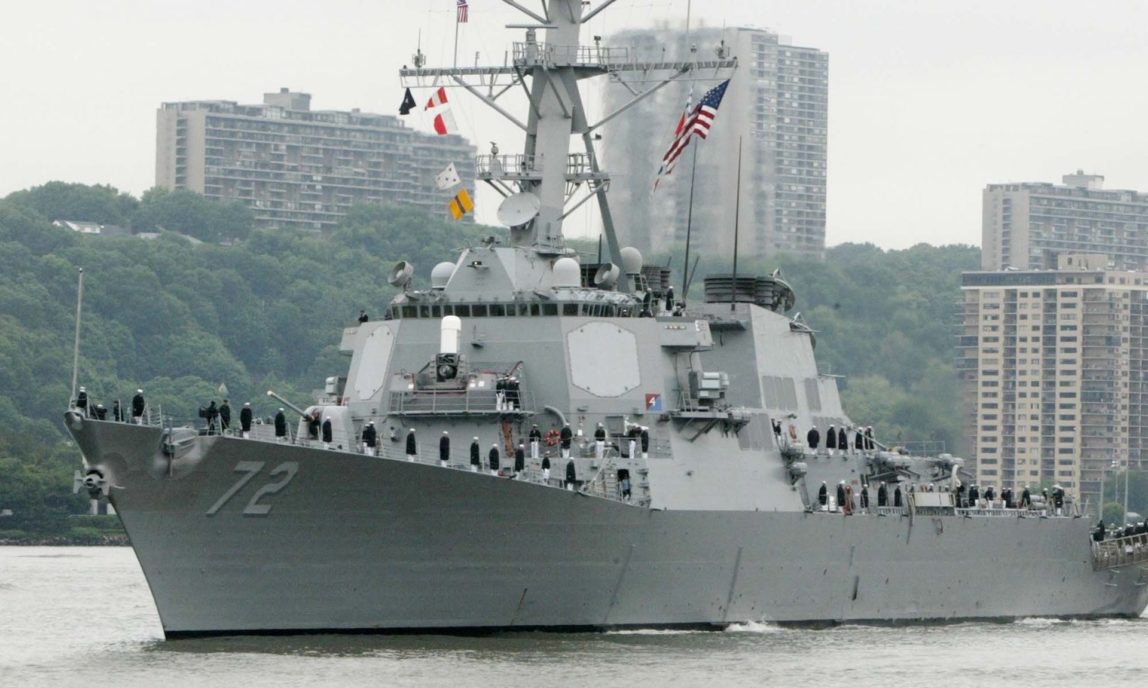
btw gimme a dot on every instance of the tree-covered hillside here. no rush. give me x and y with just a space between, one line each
265 310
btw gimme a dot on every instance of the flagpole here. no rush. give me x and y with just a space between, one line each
76 347
689 228
736 218
456 23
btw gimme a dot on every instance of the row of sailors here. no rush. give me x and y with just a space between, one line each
1111 532
971 498
91 409
836 438
637 436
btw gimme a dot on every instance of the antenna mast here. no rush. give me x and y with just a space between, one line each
76 346
548 71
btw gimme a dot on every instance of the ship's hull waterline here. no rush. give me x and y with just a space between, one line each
338 541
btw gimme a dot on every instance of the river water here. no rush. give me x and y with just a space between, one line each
79 616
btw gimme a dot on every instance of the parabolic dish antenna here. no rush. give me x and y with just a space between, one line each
518 209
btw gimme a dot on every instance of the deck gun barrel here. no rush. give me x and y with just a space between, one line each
293 407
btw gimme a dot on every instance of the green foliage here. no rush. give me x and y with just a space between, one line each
189 213
1114 494
174 318
104 205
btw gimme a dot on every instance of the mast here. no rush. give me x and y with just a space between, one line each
736 219
689 227
76 346
549 72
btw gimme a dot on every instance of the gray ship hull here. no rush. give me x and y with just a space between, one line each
344 542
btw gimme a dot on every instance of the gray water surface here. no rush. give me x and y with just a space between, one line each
72 616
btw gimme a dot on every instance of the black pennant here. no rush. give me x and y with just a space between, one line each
408 103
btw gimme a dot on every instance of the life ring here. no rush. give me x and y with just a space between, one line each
552 437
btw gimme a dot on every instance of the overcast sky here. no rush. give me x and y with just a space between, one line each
928 100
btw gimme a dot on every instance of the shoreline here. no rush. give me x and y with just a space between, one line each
66 541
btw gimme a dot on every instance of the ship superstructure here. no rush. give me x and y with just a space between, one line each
564 445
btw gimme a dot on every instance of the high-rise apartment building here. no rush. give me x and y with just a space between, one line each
297 167
1027 226
1054 365
776 108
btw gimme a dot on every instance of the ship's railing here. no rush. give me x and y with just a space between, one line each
889 510
462 401
427 453
1122 551
509 166
528 53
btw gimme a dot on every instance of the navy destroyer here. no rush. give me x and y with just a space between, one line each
539 442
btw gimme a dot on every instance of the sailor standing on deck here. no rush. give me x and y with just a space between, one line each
493 459
370 439
882 495
327 432
1025 498
571 475
535 441
117 411
864 498
566 435
245 420
412 446
600 442
475 460
859 440
500 394
842 440
519 460
225 416
82 401
444 449
546 468
841 495
211 414
897 496
823 495
813 438
138 407
831 439
869 437
280 427
644 436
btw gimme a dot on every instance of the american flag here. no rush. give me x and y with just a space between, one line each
696 121
463 9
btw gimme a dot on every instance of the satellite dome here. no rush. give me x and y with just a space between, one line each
631 260
441 274
567 273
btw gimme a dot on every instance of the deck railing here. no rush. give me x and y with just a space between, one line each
1121 551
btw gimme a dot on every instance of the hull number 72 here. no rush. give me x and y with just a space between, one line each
280 477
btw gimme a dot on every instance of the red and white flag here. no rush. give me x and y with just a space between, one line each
463 11
443 119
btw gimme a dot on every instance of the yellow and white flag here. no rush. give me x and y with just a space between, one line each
461 204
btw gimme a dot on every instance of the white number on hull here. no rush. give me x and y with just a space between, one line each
254 508
250 469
